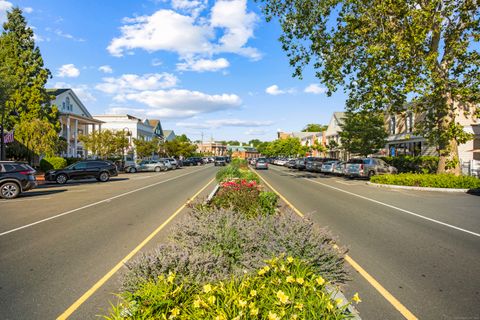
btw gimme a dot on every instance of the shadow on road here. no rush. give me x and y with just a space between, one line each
30 194
52 184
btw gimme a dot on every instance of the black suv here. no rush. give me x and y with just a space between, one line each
15 178
193 161
99 169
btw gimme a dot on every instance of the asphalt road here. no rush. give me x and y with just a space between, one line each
417 245
58 241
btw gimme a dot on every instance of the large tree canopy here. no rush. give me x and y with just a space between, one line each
363 133
386 54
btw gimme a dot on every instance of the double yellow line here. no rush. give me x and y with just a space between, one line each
67 313
374 283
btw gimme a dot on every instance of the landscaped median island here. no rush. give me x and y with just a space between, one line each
240 256
428 180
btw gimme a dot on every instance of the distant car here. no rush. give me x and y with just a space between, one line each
261 163
193 161
328 166
99 169
220 161
367 167
173 162
290 163
15 178
152 166
339 168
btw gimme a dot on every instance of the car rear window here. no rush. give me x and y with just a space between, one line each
359 161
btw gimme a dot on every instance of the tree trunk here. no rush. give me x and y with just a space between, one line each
448 161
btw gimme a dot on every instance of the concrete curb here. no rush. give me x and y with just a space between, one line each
449 190
213 193
337 294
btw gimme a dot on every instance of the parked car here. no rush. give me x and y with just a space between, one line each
220 161
367 167
339 168
15 178
99 169
290 163
152 166
328 166
193 161
300 164
261 163
130 166
173 162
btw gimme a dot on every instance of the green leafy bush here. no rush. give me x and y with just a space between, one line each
49 163
249 175
429 180
268 202
228 173
284 288
211 246
239 163
418 164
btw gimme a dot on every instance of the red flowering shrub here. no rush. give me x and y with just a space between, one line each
245 197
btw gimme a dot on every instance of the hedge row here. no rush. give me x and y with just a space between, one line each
418 164
50 163
428 180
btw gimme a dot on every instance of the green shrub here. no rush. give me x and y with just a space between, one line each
212 246
284 288
429 180
268 202
49 163
72 160
241 196
249 175
418 164
228 173
239 163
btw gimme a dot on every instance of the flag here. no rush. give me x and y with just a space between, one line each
8 137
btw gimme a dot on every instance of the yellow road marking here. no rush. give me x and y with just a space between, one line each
384 292
67 313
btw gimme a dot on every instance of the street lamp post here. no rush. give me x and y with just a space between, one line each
2 132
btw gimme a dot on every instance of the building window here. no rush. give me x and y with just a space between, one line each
67 102
409 122
393 124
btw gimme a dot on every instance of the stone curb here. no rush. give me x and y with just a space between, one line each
213 193
450 190
351 308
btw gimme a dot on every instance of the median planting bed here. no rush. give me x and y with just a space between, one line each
428 180
240 256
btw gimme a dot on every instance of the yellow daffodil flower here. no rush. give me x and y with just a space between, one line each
338 301
242 303
290 279
356 298
212 299
171 277
290 259
253 293
320 281
175 313
272 316
207 288
300 280
299 306
282 296
254 312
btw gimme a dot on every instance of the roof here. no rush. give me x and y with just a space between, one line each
241 148
302 134
167 132
339 116
57 92
153 123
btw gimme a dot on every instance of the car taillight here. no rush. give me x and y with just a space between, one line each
27 172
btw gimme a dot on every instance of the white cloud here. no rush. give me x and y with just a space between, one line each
62 34
4 7
274 90
105 69
28 9
238 25
227 28
202 65
133 82
164 30
82 91
68 70
255 132
315 89
156 62
181 103
218 123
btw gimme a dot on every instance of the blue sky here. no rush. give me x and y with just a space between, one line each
211 67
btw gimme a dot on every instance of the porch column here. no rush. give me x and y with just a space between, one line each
61 126
75 144
85 152
68 136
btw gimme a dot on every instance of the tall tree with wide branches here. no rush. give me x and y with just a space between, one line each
391 56
24 75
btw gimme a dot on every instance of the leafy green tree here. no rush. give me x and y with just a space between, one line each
233 143
254 142
314 127
38 136
180 146
105 143
21 66
363 133
388 54
146 148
